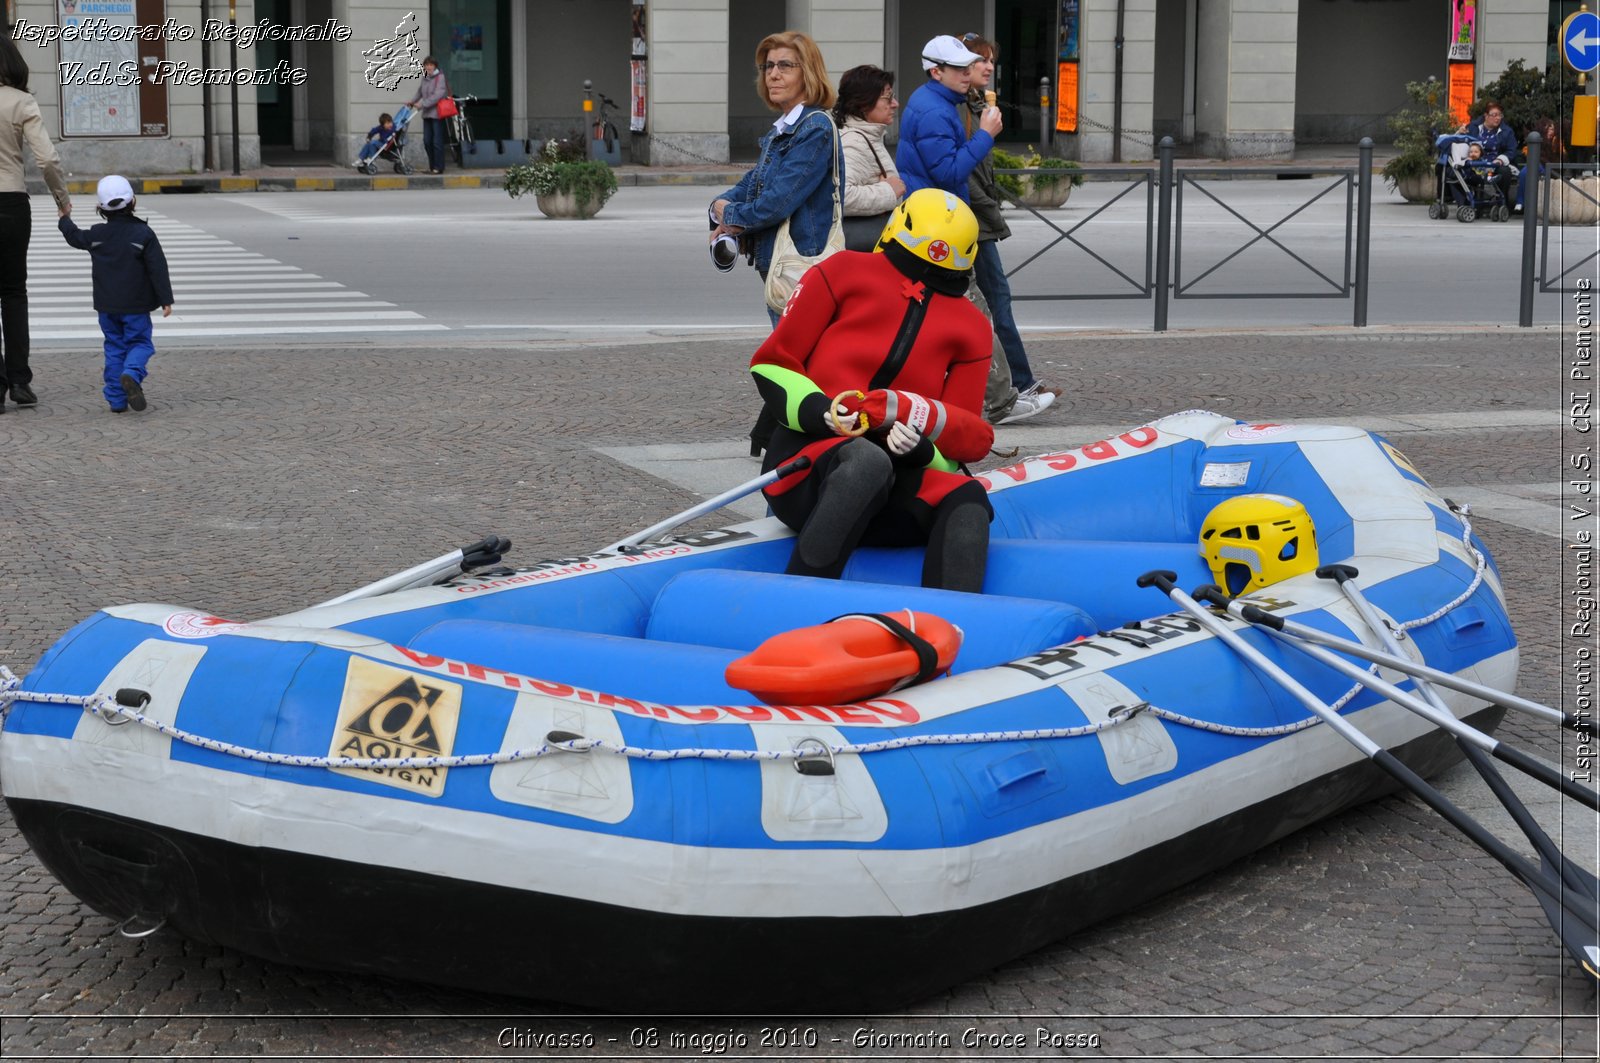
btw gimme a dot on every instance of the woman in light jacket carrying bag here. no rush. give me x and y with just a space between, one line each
793 179
20 125
430 91
872 186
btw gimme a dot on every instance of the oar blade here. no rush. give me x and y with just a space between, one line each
1575 929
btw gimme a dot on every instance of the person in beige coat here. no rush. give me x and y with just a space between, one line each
20 124
872 186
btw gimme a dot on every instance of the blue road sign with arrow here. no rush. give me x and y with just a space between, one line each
1580 41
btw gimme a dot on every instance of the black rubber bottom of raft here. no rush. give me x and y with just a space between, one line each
340 915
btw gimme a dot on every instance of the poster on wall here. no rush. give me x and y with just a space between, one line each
638 71
466 34
636 108
1463 30
466 47
1460 91
104 92
1068 45
1067 98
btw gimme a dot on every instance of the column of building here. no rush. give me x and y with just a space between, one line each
1097 89
1245 91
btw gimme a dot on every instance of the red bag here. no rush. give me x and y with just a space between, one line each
447 107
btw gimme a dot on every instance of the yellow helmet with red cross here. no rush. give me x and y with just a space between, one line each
935 226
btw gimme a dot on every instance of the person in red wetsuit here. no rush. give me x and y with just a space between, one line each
877 367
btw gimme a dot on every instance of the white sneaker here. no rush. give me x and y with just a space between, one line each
1027 406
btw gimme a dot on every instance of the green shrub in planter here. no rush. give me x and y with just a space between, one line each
1415 128
1053 171
562 168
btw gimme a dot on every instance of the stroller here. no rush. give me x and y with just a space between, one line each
1466 183
392 148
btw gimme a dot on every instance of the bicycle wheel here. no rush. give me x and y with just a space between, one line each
464 138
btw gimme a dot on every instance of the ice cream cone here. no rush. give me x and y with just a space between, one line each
989 96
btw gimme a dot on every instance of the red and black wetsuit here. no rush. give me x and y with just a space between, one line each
845 319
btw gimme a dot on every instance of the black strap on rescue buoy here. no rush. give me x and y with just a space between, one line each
927 655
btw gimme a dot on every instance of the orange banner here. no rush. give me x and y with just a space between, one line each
1460 91
1067 98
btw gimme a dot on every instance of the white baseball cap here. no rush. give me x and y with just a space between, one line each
114 192
945 50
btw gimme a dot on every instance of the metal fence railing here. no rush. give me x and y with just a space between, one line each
1165 219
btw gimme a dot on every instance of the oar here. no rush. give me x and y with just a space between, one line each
486 551
630 543
1504 699
1434 710
1572 874
1574 910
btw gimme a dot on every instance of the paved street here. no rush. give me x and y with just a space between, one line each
277 468
484 266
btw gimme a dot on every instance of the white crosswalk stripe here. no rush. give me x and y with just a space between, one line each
221 289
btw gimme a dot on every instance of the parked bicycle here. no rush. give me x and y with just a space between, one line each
604 128
458 128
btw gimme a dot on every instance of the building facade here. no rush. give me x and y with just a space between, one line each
304 80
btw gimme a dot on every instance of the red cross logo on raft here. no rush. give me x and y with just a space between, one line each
938 251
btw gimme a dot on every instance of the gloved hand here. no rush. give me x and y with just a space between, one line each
886 408
908 447
901 438
1501 160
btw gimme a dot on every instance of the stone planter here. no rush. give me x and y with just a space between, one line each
1046 196
1418 189
1572 202
565 205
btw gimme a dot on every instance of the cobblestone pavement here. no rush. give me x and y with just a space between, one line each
263 480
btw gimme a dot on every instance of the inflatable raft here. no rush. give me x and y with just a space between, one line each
538 781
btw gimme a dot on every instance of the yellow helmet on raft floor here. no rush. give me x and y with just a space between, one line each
1253 541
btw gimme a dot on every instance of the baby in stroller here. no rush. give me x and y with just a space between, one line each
1474 184
386 140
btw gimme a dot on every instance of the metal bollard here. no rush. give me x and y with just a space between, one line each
1363 229
1163 232
1530 200
1044 113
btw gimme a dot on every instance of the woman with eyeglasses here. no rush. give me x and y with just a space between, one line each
793 178
872 186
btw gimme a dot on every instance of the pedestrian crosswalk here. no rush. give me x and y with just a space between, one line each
222 290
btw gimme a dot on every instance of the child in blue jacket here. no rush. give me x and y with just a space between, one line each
130 280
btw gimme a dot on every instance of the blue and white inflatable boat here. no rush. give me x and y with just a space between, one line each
537 781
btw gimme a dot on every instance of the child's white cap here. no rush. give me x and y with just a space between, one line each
114 192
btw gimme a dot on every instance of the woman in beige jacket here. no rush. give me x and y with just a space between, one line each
872 185
20 123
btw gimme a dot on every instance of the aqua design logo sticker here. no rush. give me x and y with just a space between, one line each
390 713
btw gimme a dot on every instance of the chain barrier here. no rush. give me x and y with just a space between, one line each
697 157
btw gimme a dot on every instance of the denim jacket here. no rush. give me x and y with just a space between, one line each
793 179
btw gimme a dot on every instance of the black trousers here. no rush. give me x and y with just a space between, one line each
16 224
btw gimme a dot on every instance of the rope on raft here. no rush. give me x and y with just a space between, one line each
107 708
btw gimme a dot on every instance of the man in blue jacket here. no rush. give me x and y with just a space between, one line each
934 150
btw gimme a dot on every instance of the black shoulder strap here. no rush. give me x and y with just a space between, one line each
900 349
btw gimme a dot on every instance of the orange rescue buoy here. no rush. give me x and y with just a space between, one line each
851 657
